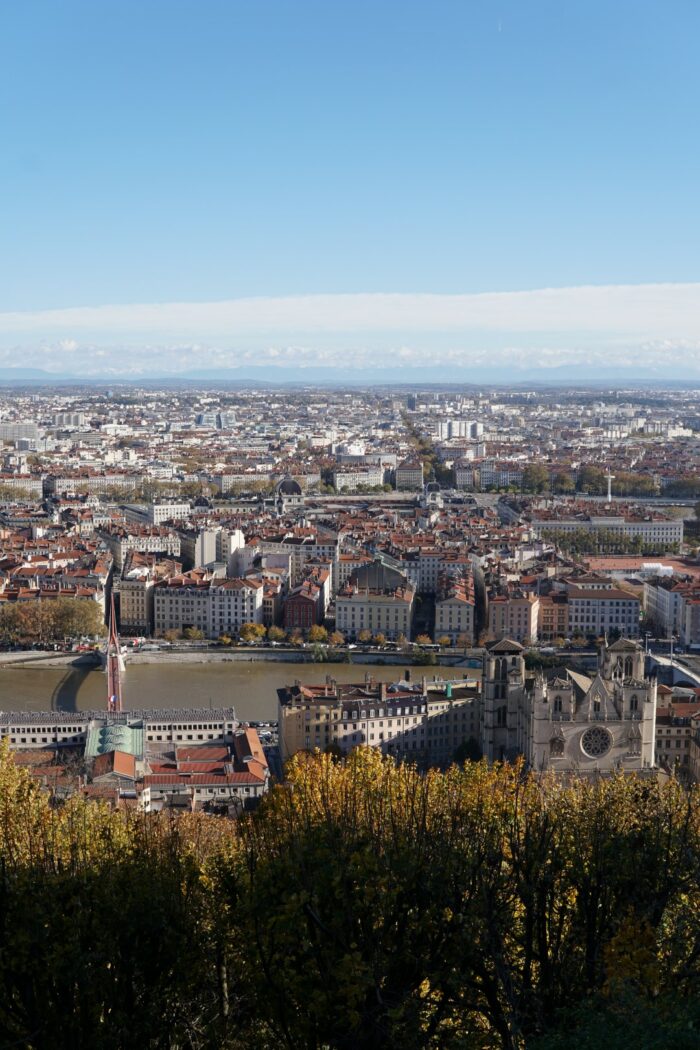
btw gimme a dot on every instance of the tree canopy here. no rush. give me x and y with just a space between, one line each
363 906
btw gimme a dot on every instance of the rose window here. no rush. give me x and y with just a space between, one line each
596 742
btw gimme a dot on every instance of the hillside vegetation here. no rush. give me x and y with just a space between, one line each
363 906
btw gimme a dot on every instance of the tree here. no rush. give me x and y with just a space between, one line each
379 638
44 621
563 483
465 641
365 635
193 634
402 641
363 904
444 641
592 481
252 632
424 639
337 638
172 634
535 478
13 494
317 633
275 634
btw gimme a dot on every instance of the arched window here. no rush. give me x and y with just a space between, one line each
628 667
596 707
556 747
634 703
557 705
501 717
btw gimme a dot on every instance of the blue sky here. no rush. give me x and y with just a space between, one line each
184 153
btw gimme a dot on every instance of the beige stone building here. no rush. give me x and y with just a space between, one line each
514 616
454 608
423 721
386 612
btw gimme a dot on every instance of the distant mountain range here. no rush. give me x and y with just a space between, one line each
271 376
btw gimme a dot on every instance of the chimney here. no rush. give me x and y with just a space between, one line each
367 679
382 692
424 685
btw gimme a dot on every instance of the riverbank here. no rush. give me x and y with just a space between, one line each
326 658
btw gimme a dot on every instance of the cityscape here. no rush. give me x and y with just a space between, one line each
379 529
350 525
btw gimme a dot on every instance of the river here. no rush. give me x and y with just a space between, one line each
250 687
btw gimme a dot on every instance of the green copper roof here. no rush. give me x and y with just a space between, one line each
114 737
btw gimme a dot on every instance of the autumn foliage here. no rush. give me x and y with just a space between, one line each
363 906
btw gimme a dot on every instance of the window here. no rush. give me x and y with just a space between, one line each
557 705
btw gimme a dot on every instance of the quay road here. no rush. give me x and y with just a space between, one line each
481 499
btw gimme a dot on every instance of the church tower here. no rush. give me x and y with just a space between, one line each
503 684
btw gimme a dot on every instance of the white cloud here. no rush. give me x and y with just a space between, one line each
654 326
658 310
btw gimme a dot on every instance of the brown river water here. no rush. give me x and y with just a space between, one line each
250 687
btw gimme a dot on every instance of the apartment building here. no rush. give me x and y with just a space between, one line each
424 722
466 475
597 607
675 732
24 485
135 591
167 510
690 617
553 617
663 603
233 603
409 475
349 479
498 475
386 612
301 546
454 607
513 616
653 529
91 482
142 539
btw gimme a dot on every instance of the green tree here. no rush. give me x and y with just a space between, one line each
563 483
535 478
592 481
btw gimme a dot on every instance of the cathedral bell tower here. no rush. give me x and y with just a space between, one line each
503 682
